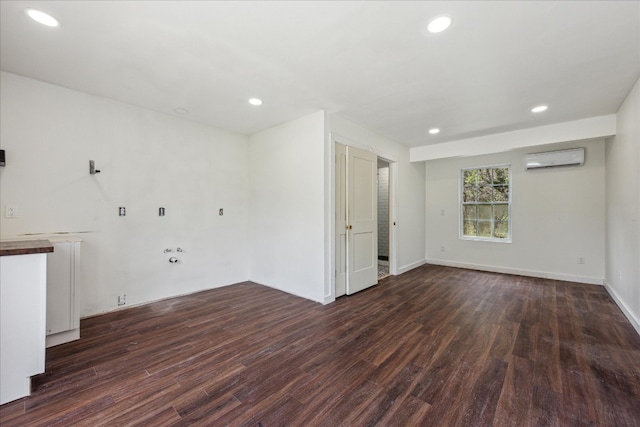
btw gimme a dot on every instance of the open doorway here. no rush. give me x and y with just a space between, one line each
355 260
383 218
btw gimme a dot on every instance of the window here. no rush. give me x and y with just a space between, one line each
485 204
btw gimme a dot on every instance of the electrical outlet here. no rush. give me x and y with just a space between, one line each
122 211
442 212
581 260
122 299
11 212
441 248
220 211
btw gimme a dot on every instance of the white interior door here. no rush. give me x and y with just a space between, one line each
341 220
362 225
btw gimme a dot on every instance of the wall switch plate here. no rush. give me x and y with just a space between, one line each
221 212
122 211
11 212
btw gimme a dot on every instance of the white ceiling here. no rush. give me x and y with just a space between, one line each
371 62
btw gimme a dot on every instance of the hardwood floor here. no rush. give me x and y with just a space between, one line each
436 346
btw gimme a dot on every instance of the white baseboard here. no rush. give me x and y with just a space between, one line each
519 272
328 300
62 337
411 266
321 301
635 322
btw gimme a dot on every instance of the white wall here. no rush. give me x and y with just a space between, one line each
623 209
558 215
276 189
147 160
287 214
410 189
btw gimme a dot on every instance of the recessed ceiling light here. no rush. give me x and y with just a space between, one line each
181 110
255 101
434 131
43 18
539 109
439 24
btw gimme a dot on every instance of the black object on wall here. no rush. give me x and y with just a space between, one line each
2 158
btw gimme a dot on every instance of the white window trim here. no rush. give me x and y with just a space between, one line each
460 209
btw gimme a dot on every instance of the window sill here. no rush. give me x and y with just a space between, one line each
482 239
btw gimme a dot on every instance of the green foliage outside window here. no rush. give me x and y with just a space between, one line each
485 203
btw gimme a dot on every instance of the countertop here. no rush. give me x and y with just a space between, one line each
25 247
52 237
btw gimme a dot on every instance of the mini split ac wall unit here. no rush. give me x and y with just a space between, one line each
553 159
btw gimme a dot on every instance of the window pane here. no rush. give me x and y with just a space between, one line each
484 177
500 213
484 212
501 230
485 194
469 212
484 229
470 177
470 194
469 228
501 193
501 176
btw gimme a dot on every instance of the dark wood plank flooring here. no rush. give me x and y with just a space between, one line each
436 346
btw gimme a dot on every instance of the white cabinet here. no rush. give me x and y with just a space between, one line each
22 316
63 279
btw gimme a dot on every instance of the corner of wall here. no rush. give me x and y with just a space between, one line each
622 183
633 319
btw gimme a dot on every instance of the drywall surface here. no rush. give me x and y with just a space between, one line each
623 209
598 127
287 215
409 188
557 217
147 160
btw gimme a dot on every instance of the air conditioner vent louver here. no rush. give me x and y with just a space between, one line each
552 159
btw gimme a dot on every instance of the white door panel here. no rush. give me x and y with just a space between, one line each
363 195
362 211
341 220
362 251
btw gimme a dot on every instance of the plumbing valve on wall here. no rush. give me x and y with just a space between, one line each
173 259
92 168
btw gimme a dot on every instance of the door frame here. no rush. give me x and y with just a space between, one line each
393 173
330 293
